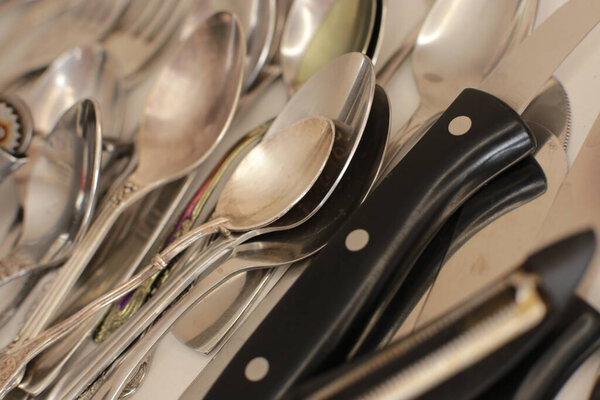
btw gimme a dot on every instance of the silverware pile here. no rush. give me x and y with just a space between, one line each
323 253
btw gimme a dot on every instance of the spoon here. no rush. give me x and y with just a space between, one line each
342 91
307 145
61 193
317 32
308 27
174 138
258 20
80 73
273 250
329 93
480 33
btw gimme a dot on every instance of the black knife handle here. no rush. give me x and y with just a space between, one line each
542 374
313 325
515 187
371 374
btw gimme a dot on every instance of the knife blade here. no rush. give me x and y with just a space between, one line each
475 139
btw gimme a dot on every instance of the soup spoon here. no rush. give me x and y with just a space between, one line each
480 33
174 138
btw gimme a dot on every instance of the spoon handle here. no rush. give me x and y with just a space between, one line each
23 350
316 323
68 274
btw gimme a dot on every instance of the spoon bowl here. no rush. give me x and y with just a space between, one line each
486 33
61 191
80 73
480 34
258 21
316 32
270 180
174 138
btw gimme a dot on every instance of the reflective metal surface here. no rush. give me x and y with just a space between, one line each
211 94
318 31
480 33
258 19
275 175
41 40
61 191
81 73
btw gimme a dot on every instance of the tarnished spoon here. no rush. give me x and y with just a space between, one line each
304 146
258 21
480 33
187 113
60 195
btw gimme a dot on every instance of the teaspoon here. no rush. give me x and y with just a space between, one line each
175 137
480 33
343 92
309 141
272 250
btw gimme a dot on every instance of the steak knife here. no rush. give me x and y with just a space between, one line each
476 138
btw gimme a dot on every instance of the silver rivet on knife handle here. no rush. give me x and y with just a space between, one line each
519 76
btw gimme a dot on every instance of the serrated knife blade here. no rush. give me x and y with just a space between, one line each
563 30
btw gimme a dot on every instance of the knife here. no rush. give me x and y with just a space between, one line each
462 353
551 164
475 139
515 187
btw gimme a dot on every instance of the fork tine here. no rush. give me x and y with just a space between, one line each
160 21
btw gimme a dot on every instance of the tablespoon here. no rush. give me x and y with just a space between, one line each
173 140
61 188
309 142
480 33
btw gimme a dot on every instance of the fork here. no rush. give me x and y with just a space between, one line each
77 22
145 29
